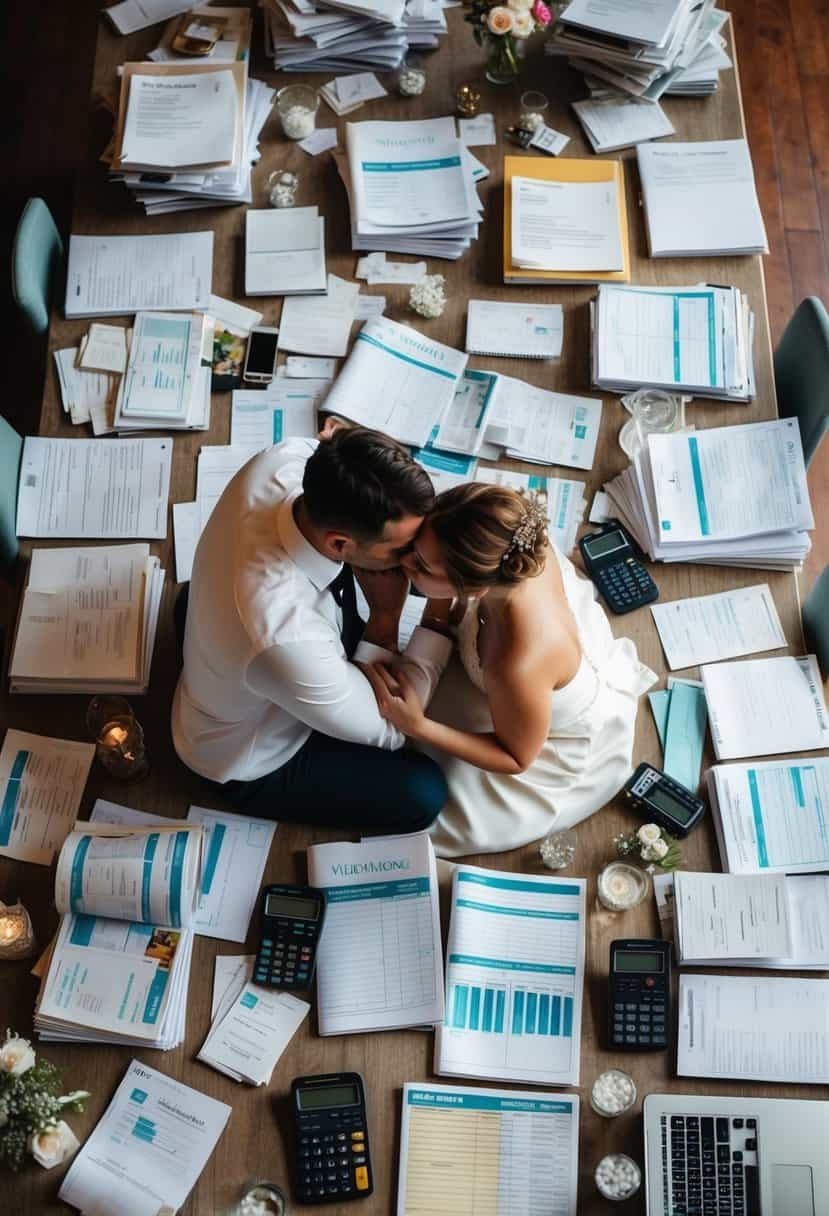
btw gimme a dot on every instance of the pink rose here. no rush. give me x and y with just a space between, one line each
541 13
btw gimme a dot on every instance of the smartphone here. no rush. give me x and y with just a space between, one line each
260 359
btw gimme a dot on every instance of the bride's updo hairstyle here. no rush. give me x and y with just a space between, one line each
489 535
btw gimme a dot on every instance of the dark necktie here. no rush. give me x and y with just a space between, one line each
345 595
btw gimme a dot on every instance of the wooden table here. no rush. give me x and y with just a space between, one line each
254 1142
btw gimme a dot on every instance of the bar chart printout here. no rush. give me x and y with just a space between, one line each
487 1152
514 978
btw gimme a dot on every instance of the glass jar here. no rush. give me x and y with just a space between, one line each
533 111
653 412
411 77
297 105
262 1199
613 1093
617 1177
622 886
558 849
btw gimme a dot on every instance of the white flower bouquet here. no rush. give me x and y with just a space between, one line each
499 28
31 1107
653 845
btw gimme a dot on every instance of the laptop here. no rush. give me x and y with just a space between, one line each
736 1156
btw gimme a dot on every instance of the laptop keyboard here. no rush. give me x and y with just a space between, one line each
710 1165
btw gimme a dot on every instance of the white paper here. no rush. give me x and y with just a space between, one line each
647 21
565 225
216 468
132 15
87 488
754 1029
463 423
284 252
139 1174
601 509
478 132
708 628
186 533
287 410
322 325
105 349
253 1034
115 275
235 317
565 501
41 784
235 855
544 427
764 707
621 122
301 367
369 307
731 917
548 140
377 269
230 974
177 121
514 330
321 140
80 390
518 942
446 470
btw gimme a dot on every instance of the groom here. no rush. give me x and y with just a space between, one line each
269 702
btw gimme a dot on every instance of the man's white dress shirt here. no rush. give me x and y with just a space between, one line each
264 663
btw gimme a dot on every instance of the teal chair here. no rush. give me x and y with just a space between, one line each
816 620
11 449
801 370
37 264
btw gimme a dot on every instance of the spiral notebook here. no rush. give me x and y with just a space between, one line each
522 331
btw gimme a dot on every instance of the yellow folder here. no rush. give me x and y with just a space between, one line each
571 169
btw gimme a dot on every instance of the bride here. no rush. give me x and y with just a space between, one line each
534 725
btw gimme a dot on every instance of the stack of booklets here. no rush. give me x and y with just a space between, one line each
700 199
285 252
349 36
695 340
540 426
643 48
730 495
88 621
405 200
379 960
119 968
751 920
186 134
565 221
166 385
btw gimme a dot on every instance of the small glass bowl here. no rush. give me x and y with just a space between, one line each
633 1172
595 1096
261 1196
558 849
411 77
297 105
533 110
622 886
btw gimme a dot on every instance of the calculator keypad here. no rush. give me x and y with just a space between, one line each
638 1016
333 1159
625 585
285 958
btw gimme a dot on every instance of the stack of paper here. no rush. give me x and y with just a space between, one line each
731 495
118 275
621 122
120 966
565 499
770 816
153 1141
344 94
285 252
88 621
642 48
81 391
167 383
396 380
354 36
679 714
540 426
250 1026
321 325
514 978
695 339
700 199
565 221
404 200
379 961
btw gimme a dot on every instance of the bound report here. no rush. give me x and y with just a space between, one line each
285 252
379 961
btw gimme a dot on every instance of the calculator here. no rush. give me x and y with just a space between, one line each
663 801
639 996
611 558
289 933
333 1163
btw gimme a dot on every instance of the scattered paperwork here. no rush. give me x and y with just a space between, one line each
41 784
708 628
116 275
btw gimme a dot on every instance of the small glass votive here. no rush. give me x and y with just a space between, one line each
622 886
262 1199
17 939
558 849
617 1177
297 105
282 188
654 412
411 77
467 100
119 738
533 110
613 1093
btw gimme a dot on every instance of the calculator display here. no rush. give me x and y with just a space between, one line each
664 800
635 960
289 905
601 546
328 1095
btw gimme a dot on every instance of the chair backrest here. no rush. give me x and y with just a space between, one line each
37 263
816 620
11 450
801 370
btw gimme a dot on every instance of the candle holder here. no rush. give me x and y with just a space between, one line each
262 1199
558 849
622 886
119 737
468 100
17 939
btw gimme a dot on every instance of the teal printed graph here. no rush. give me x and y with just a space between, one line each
532 1012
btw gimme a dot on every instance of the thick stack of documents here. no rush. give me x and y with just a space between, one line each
119 968
379 960
700 199
88 621
167 382
110 276
565 221
692 339
348 35
731 495
514 978
403 200
285 252
764 707
642 48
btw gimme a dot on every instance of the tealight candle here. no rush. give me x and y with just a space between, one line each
621 886
121 748
17 940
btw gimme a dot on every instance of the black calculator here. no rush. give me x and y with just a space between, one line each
289 933
611 558
663 801
639 996
333 1163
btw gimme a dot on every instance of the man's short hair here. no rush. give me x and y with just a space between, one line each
359 480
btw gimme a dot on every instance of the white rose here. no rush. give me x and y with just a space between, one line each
523 25
53 1147
16 1056
660 849
648 852
520 6
649 833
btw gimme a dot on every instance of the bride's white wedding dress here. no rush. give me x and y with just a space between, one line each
585 759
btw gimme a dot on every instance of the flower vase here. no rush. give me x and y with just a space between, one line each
502 65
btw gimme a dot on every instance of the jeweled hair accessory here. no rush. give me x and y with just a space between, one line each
533 524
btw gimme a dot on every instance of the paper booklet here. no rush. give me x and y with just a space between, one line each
170 356
285 252
118 275
120 966
762 707
148 1150
514 330
514 978
41 784
379 960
